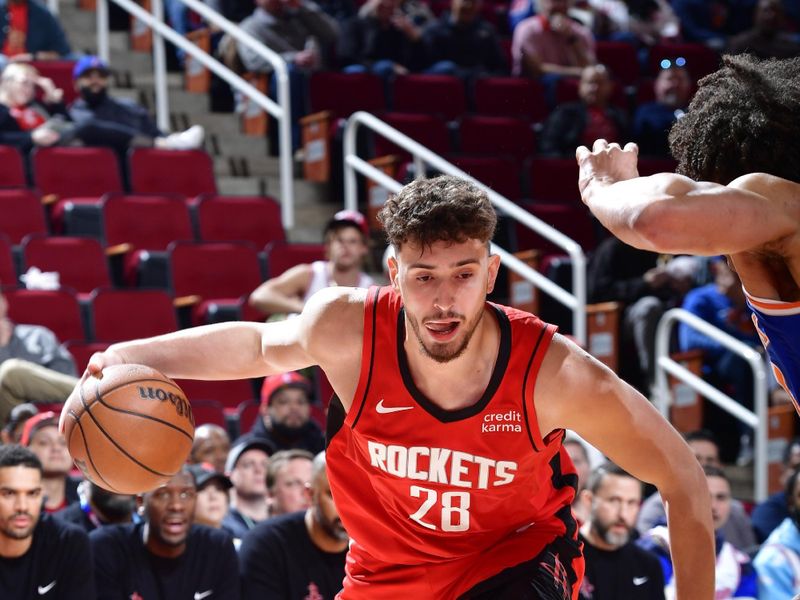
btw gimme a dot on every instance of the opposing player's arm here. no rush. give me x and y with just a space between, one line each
575 391
284 293
674 214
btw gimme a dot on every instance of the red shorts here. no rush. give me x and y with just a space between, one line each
545 563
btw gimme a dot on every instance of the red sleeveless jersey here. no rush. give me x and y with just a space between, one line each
472 491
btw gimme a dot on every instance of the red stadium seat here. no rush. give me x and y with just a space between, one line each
220 273
364 92
208 412
554 180
228 393
118 315
60 71
58 310
247 413
441 95
82 351
574 221
80 262
187 172
149 224
428 130
76 171
8 273
500 174
253 219
496 136
23 214
12 169
511 97
621 60
700 59
567 91
281 256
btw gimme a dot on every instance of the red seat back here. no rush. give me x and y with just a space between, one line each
574 221
58 310
60 71
253 219
82 351
281 256
496 136
214 269
228 393
76 171
511 97
364 92
12 169
129 314
147 222
187 172
500 174
554 180
441 95
22 214
427 130
8 273
621 60
80 262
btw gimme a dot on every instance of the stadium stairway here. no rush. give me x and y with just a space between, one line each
241 163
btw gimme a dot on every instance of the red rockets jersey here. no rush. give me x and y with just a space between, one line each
415 484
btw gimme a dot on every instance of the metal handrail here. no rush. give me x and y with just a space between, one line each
757 420
280 110
422 155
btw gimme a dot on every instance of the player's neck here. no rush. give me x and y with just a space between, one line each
321 538
13 548
255 508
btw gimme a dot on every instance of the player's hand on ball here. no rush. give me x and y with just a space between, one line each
607 163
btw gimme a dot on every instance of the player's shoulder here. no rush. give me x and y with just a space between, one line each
336 302
771 187
61 532
207 537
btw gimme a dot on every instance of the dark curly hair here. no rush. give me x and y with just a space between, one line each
744 118
442 209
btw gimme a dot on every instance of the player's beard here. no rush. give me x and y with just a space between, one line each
444 353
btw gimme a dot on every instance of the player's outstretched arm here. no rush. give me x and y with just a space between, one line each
575 391
673 214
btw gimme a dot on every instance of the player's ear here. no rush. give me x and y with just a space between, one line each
494 268
391 262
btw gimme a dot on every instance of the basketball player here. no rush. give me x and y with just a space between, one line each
444 439
738 194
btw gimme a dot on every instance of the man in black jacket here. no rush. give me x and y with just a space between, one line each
40 557
166 555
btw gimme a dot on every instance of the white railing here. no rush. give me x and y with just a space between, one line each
161 31
757 420
576 300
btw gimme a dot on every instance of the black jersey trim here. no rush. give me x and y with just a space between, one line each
335 419
525 386
374 308
500 365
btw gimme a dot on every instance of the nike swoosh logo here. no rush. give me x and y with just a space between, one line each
385 410
43 589
639 580
201 595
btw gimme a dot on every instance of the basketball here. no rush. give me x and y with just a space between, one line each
130 430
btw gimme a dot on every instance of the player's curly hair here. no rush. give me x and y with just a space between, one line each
744 118
442 209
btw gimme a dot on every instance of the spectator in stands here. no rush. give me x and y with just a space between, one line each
580 460
735 577
345 248
301 33
710 22
41 435
288 477
285 414
97 507
381 40
769 37
652 21
645 288
40 557
737 528
34 366
462 43
574 123
31 32
653 120
117 123
550 44
771 512
211 445
615 567
12 430
778 561
165 555
298 555
247 467
212 495
722 304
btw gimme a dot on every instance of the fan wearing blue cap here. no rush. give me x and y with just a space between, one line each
118 123
346 236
